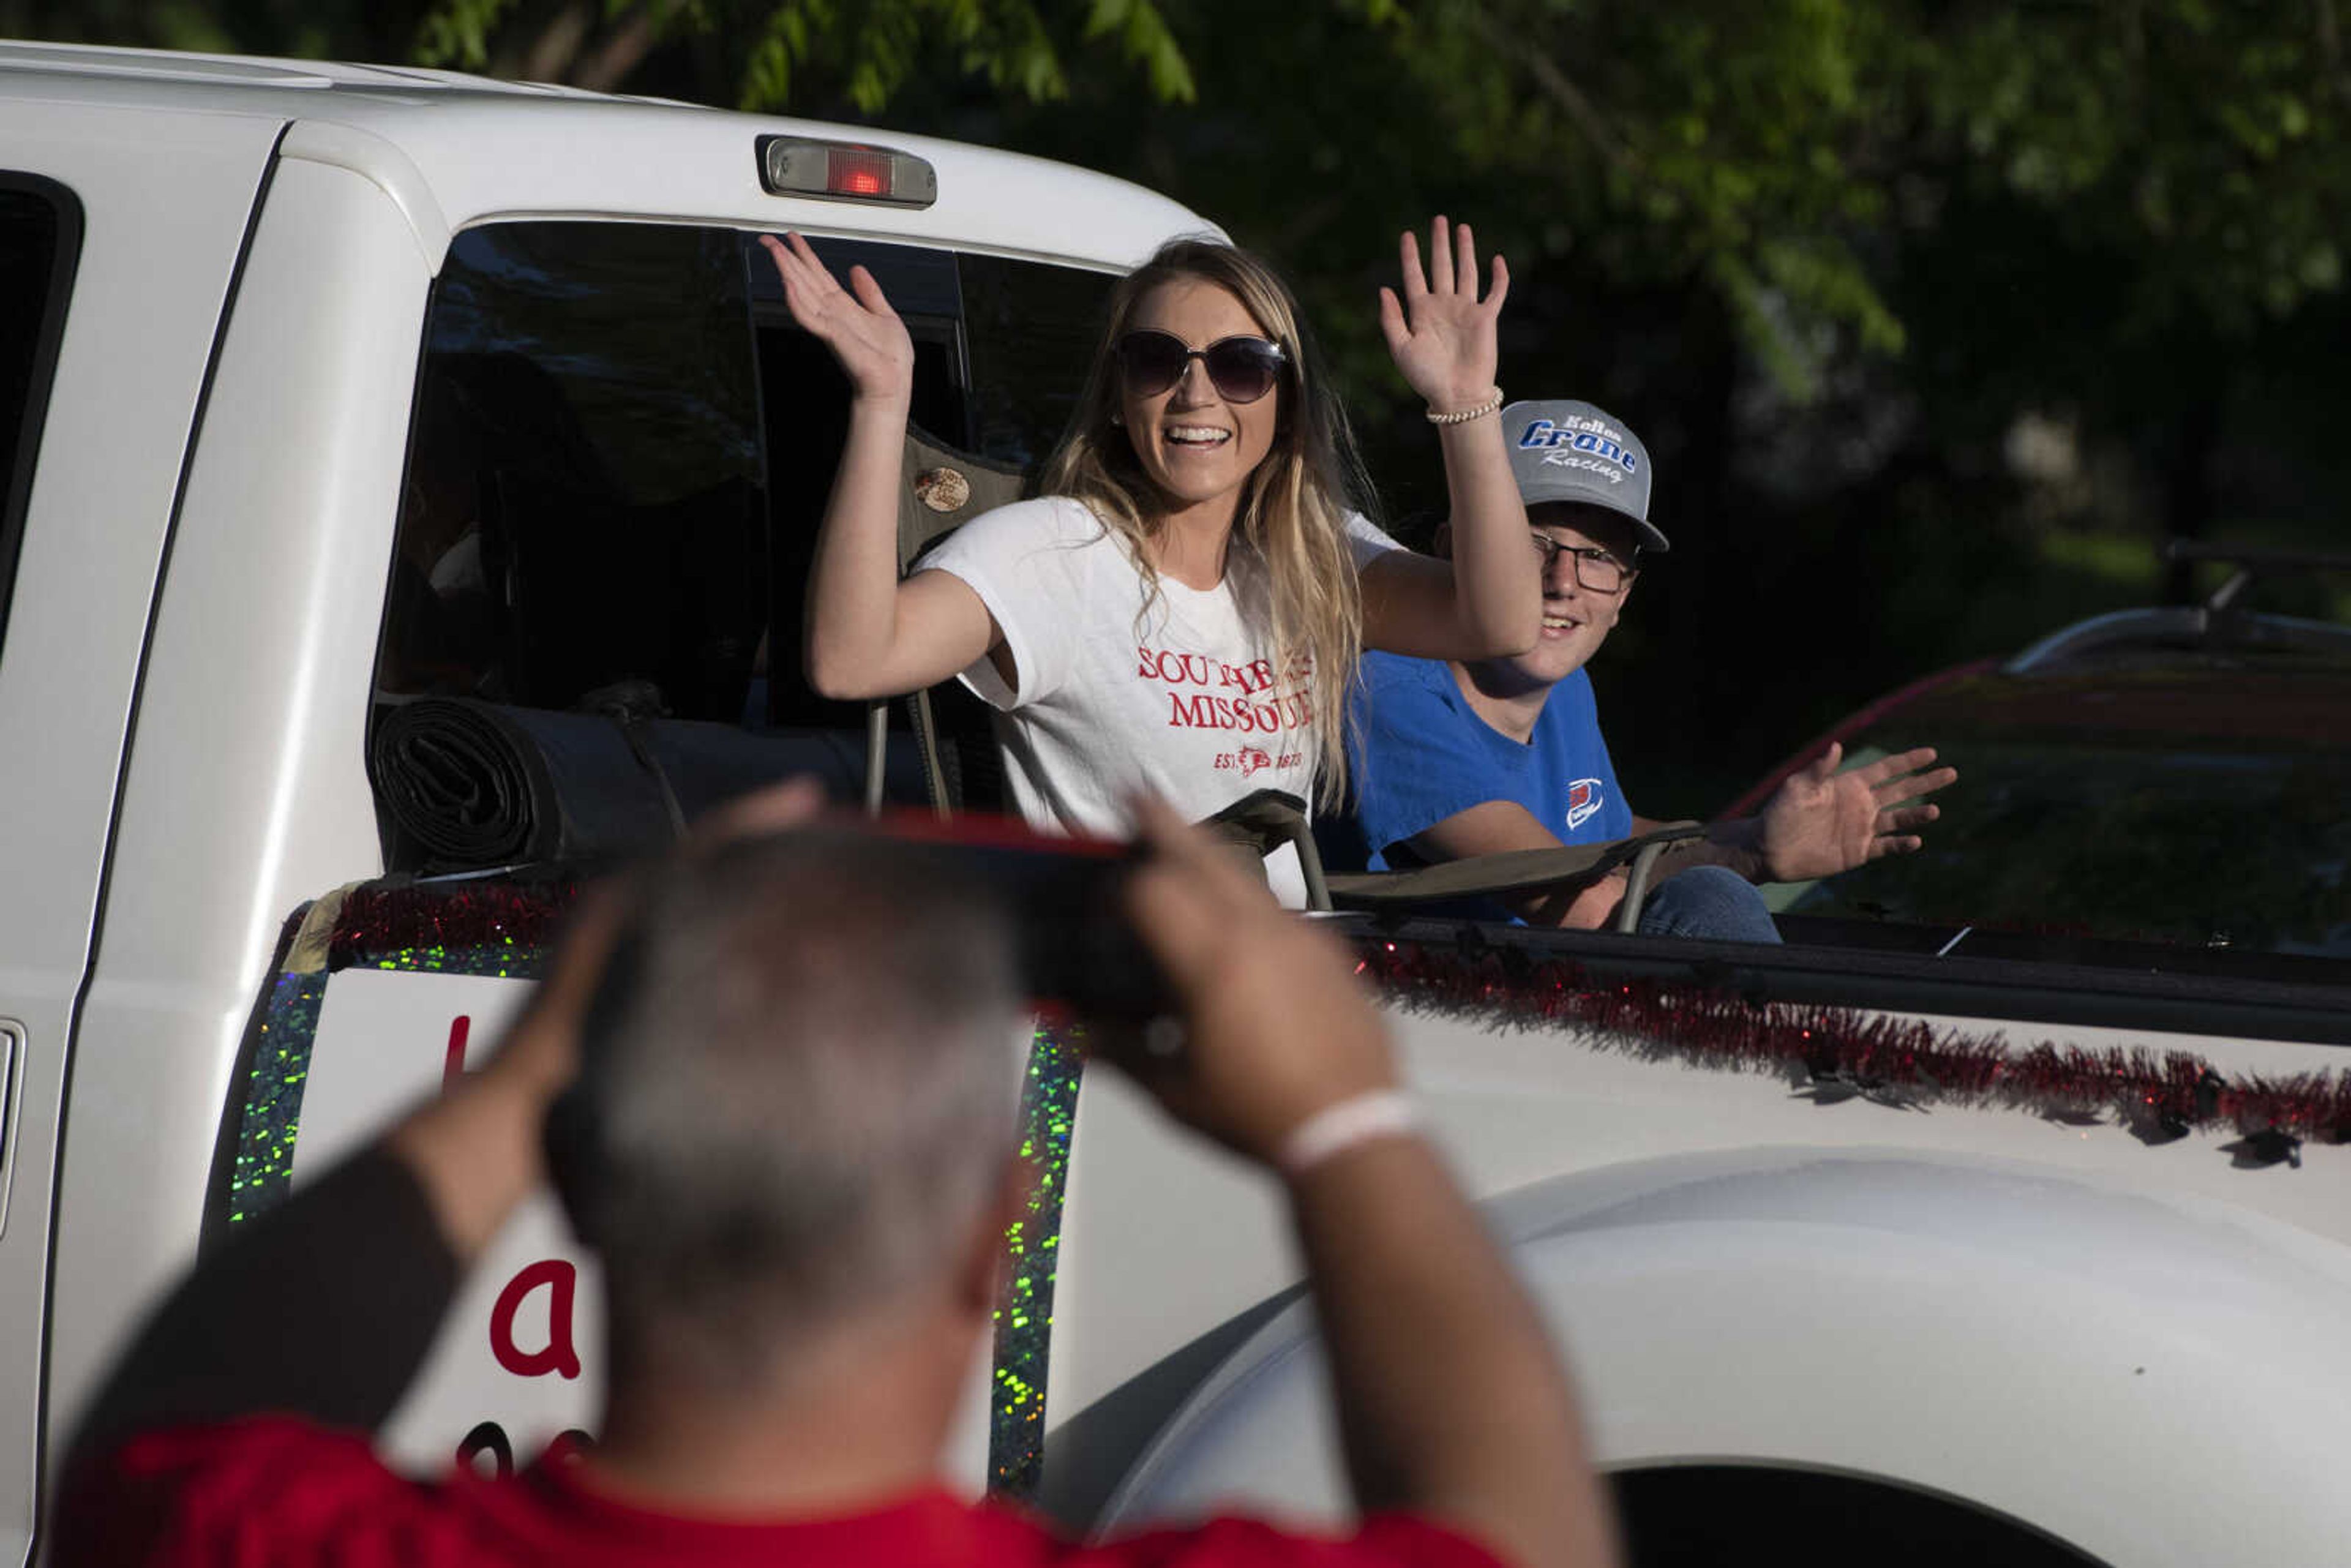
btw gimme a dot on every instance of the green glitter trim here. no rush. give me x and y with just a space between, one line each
1024 1319
273 1104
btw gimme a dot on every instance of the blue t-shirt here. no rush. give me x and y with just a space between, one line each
1422 755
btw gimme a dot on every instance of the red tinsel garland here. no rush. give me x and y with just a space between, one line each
2160 1094
379 919
1837 1051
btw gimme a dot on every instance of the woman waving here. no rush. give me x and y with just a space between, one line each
1182 608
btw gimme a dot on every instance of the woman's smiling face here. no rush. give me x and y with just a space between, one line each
1195 446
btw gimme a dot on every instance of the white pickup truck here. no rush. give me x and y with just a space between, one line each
335 399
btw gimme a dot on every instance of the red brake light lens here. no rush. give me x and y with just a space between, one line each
856 172
845 172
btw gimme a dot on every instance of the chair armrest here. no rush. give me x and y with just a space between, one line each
1486 876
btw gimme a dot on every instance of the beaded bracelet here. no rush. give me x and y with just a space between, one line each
1493 405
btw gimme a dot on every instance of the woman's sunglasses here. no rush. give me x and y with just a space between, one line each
1242 369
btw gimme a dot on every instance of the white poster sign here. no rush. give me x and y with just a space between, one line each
519 1358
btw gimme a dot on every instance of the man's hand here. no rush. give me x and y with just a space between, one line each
477 1149
1822 821
540 1051
1275 1025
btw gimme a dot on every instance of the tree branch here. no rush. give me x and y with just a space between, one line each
1558 86
622 50
2330 48
558 44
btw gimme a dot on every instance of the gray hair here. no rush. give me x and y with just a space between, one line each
799 1073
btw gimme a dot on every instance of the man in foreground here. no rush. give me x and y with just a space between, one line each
780 1081
1457 759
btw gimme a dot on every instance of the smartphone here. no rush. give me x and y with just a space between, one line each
1066 899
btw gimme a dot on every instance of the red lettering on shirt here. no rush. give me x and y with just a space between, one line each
1257 708
1175 668
1252 678
1291 710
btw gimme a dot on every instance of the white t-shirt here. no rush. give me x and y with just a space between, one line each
1181 699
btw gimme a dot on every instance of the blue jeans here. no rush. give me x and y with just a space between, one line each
1709 900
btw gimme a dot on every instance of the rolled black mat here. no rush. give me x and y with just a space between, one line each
464 783
471 784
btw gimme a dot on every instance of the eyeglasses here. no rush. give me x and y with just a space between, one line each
1242 369
1597 569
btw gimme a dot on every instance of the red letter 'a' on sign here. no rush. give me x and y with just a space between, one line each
559 1278
452 1062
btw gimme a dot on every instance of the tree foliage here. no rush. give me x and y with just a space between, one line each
1775 153
1780 148
1829 256
780 53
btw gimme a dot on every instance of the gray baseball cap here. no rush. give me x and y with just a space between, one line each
1565 450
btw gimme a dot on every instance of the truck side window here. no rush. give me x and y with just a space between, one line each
619 452
40 240
1033 328
584 504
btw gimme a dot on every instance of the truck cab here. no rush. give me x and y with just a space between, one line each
326 387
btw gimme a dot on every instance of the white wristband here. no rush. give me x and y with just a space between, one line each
1334 1129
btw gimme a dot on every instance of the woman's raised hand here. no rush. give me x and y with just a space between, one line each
863 333
1441 333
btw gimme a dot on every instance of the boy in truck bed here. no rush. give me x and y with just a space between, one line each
1465 758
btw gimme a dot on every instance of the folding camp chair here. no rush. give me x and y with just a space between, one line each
1268 819
941 488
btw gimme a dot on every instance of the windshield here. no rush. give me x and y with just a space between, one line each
2207 807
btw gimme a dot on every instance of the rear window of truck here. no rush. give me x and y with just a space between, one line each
40 240
620 448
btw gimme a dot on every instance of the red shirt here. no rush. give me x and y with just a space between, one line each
275 1493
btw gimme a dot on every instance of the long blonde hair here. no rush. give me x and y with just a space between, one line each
1291 524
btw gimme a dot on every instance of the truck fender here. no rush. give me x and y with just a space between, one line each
2150 1380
